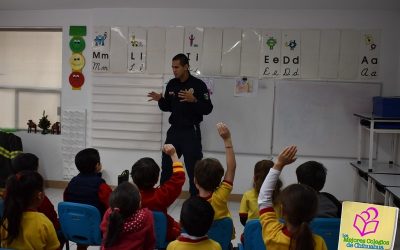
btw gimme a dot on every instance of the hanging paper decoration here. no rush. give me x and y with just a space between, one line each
137 50
77 60
101 49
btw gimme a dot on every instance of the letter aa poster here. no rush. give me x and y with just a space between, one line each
367 226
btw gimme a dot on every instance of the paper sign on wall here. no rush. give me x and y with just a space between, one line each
290 54
136 50
369 54
193 46
367 226
101 49
270 60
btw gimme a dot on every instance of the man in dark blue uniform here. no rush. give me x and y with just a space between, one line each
187 98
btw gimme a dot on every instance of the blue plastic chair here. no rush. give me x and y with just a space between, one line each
80 223
328 229
160 228
221 231
252 236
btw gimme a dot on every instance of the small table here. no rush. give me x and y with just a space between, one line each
385 180
372 119
378 168
393 192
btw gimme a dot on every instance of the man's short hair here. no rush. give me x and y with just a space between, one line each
145 173
86 160
182 58
208 173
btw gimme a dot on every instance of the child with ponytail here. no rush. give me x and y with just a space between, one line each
299 206
125 225
22 226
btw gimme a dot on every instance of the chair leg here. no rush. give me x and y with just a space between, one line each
67 245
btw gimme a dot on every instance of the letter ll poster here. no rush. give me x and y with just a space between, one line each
137 50
101 49
367 226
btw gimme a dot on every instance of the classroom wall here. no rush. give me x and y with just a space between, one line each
114 161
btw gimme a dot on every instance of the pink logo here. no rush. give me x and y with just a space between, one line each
365 222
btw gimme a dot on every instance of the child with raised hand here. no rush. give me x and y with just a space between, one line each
125 225
249 205
145 173
197 216
299 206
208 173
22 226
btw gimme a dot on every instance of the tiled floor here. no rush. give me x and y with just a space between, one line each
55 195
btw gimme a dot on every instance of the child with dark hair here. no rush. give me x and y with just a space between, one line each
88 187
25 161
125 225
209 172
313 174
28 161
145 173
299 205
197 216
249 206
22 226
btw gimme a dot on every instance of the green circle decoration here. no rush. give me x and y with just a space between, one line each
77 44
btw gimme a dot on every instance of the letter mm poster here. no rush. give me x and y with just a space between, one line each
367 226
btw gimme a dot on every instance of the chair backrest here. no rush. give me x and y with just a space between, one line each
221 231
328 229
252 236
160 228
80 223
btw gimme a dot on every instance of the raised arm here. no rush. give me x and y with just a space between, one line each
287 156
225 134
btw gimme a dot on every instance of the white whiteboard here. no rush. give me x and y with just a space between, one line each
318 116
249 118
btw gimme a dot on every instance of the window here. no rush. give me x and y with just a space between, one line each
30 75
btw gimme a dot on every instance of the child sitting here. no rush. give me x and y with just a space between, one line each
28 161
197 216
145 173
125 225
299 205
313 174
208 173
249 206
22 226
88 187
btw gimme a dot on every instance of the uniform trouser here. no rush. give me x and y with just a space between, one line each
187 142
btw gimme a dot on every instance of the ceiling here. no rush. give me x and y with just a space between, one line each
202 4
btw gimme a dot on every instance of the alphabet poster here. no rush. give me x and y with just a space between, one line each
290 54
367 226
136 50
193 46
270 60
369 54
101 49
